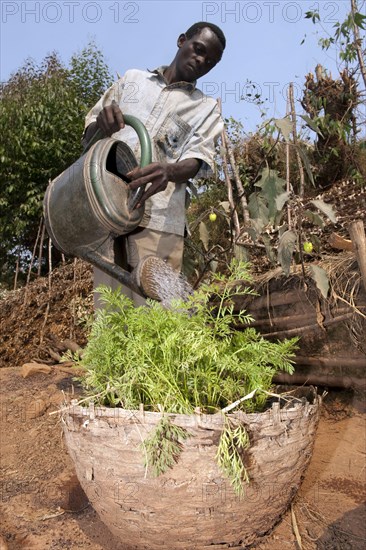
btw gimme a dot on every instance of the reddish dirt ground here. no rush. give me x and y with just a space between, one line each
43 506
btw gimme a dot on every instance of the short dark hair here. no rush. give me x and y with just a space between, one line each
197 27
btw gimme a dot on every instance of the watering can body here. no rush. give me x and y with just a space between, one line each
89 204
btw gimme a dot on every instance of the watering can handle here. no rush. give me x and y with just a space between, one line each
144 138
146 151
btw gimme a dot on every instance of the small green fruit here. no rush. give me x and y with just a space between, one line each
213 217
308 247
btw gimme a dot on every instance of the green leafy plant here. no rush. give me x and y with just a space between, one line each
268 208
335 105
185 357
163 446
175 360
346 36
233 442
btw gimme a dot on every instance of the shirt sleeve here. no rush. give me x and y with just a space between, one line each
114 92
203 142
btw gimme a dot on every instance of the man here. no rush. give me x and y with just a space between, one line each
183 124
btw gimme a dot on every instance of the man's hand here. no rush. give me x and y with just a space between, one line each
156 173
159 174
110 119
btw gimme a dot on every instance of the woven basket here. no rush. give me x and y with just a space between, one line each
192 506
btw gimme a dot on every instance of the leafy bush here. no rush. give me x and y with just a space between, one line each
185 357
42 111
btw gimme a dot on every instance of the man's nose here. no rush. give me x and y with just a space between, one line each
201 61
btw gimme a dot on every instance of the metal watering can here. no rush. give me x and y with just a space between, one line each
89 204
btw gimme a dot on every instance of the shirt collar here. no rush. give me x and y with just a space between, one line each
159 71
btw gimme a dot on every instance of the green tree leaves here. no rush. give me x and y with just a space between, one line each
321 279
262 205
286 248
326 208
42 112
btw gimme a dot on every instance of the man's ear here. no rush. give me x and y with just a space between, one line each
181 40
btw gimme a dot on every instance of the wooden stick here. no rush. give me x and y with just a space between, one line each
319 380
34 252
73 312
49 291
233 211
294 135
76 371
300 330
25 300
295 527
340 243
358 41
16 272
357 233
239 185
40 250
288 184
66 364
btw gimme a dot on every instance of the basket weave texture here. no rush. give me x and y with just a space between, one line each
192 506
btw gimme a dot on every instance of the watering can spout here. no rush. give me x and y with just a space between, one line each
151 278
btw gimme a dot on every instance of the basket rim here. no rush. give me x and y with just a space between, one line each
301 407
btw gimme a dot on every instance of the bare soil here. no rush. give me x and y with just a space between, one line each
42 504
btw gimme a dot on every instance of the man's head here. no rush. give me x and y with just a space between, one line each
197 27
200 49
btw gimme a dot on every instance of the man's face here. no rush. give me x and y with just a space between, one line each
197 55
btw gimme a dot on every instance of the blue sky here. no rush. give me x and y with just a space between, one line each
263 41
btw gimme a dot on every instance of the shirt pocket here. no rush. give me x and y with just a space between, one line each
172 137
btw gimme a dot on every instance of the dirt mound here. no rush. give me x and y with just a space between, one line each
47 310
